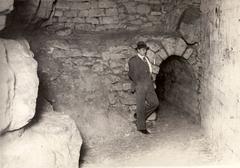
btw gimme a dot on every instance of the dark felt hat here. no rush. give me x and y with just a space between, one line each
140 45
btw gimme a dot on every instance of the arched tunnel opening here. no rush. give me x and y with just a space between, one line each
66 95
177 85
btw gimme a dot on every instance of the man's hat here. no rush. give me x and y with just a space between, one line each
140 45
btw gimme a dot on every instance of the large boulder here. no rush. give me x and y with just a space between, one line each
190 25
35 10
51 142
18 84
6 6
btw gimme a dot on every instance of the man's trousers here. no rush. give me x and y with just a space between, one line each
144 110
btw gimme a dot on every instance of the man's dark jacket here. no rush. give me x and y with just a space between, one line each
139 73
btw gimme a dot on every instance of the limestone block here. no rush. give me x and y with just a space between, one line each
92 20
64 32
79 20
127 99
191 31
97 68
162 54
137 22
58 13
117 87
106 4
126 67
155 69
158 60
96 12
52 142
174 45
85 27
20 82
153 13
112 98
190 26
151 56
115 63
94 4
80 6
143 9
189 51
131 7
126 86
83 13
154 1
62 5
108 20
153 45
87 52
70 25
144 1
147 25
45 8
72 13
111 12
6 5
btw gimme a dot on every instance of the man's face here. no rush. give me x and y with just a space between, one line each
142 51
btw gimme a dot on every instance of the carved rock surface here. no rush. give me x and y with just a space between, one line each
6 6
174 45
19 84
52 142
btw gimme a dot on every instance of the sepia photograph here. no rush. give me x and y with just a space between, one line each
119 83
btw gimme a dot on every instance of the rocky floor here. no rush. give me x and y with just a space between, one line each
175 141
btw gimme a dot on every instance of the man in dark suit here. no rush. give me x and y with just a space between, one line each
140 74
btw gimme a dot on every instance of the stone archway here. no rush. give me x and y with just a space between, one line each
176 65
176 84
162 47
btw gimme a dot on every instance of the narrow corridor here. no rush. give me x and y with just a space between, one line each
175 141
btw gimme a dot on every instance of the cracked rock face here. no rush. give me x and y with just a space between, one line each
51 142
18 85
190 25
6 6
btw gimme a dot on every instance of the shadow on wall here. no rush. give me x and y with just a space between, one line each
176 84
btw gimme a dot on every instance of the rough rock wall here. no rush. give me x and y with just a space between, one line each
85 75
51 140
6 6
33 11
19 84
220 86
96 15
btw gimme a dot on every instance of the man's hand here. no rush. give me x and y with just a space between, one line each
133 90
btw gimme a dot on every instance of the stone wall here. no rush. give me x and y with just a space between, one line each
85 75
96 15
220 86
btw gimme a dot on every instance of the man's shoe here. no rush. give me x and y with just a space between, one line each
144 131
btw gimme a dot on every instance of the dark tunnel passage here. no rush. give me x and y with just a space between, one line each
177 85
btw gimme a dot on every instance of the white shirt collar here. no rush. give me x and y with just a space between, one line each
148 62
140 55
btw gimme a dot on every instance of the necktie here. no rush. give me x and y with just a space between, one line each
145 59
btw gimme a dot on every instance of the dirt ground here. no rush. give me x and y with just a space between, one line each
175 140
